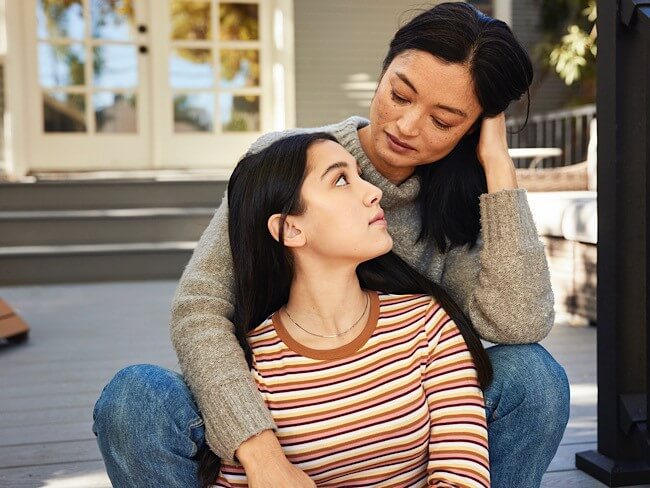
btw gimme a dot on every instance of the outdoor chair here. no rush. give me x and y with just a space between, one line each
563 201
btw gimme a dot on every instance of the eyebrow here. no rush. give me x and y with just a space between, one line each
403 77
453 110
337 165
408 83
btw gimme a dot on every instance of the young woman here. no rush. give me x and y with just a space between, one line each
367 382
436 146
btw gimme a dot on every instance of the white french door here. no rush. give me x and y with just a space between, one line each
145 84
216 60
87 85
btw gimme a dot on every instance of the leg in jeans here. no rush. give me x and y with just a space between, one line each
527 409
149 429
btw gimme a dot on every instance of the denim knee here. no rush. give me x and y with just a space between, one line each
140 400
529 374
130 390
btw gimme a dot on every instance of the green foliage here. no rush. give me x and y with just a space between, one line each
237 22
569 44
237 124
56 14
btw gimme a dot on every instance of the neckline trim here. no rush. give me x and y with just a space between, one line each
338 352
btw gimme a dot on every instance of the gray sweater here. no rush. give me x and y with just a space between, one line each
502 284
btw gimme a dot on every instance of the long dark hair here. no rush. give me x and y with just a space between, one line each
501 71
268 183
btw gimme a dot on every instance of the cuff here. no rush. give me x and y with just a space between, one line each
239 416
506 221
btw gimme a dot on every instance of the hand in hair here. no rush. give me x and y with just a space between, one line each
492 152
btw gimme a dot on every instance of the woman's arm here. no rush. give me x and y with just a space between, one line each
209 354
458 444
202 333
503 285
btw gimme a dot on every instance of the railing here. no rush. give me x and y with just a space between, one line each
567 130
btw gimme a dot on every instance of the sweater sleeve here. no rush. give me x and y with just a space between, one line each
503 284
458 443
209 354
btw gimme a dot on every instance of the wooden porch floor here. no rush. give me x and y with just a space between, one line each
82 334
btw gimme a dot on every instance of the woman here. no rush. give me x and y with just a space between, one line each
435 145
365 387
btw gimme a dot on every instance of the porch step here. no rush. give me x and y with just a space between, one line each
103 226
110 194
22 265
100 230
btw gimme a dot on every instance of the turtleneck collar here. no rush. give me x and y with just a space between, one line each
394 195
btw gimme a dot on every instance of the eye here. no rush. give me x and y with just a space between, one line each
340 179
440 125
396 98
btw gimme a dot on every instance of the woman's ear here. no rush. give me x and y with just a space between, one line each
292 234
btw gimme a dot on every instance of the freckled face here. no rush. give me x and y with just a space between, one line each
421 109
343 219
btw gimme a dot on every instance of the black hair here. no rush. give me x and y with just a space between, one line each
268 183
501 71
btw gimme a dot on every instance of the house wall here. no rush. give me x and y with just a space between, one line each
549 92
339 46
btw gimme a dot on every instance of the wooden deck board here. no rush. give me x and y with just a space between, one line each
42 417
49 453
82 334
81 429
71 475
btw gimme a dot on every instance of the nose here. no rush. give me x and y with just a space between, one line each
408 123
372 195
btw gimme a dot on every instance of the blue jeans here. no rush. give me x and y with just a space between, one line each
149 428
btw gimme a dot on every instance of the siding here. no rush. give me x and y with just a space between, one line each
338 42
2 115
549 92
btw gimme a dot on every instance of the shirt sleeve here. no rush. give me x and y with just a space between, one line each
209 354
458 443
503 284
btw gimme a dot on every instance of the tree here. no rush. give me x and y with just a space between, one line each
568 47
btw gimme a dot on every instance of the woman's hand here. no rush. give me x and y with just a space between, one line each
266 465
492 152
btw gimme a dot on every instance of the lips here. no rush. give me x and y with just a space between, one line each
378 218
398 142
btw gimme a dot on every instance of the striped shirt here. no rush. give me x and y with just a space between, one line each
398 406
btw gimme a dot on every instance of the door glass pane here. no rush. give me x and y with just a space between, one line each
115 66
57 18
191 68
113 19
61 64
194 112
191 20
240 68
115 112
238 22
239 113
64 112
